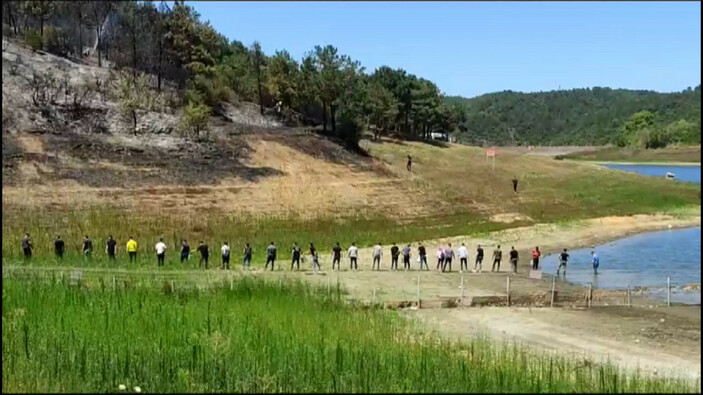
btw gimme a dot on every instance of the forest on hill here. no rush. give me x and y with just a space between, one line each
582 117
171 44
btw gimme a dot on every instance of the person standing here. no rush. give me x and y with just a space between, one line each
336 255
422 252
395 251
111 248
314 258
409 165
440 258
27 247
225 255
87 248
535 258
514 184
270 256
563 258
204 254
463 255
296 257
406 257
353 253
497 256
59 247
132 249
377 254
448 256
595 261
160 252
185 250
246 260
513 259
479 259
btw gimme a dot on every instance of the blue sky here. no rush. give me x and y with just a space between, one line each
472 48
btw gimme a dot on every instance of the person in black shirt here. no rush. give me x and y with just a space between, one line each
270 256
246 261
59 247
313 256
395 252
513 259
296 257
410 163
336 255
185 250
563 258
111 248
87 248
27 247
479 258
515 184
204 254
423 256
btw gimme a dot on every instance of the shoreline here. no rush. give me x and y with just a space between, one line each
651 163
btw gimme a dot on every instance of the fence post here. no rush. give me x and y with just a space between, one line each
668 291
462 289
114 285
508 292
231 283
173 286
629 300
554 280
590 294
418 291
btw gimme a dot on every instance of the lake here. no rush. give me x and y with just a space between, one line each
646 259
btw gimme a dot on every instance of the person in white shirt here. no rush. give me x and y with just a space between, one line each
353 253
377 254
225 255
463 254
160 252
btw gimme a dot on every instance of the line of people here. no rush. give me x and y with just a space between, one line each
445 255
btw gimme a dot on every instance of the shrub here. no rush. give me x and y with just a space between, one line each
57 41
195 118
34 40
45 88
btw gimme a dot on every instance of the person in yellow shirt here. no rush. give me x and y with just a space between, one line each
132 249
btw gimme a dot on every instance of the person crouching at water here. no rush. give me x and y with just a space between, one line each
513 259
225 255
595 261
377 254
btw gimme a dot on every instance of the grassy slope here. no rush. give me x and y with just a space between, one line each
451 191
614 154
253 336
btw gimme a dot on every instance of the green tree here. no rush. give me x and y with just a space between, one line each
258 63
283 79
638 130
383 108
195 118
133 94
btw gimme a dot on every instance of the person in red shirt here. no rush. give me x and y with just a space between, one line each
535 258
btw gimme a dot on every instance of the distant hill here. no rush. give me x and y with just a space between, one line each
569 117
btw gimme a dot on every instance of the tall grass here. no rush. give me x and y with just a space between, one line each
261 337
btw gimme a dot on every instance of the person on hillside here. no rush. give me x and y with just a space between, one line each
160 252
336 255
377 254
111 248
27 247
514 184
497 256
513 259
131 248
440 258
246 260
395 252
270 256
479 259
353 253
563 258
422 252
535 258
295 261
314 258
448 256
595 261
410 163
185 250
463 255
59 247
204 254
225 255
406 257
87 248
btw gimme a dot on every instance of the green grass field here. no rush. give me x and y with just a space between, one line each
257 336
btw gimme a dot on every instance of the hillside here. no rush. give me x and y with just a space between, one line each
571 117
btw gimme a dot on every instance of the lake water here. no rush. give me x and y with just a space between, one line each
646 259
683 173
